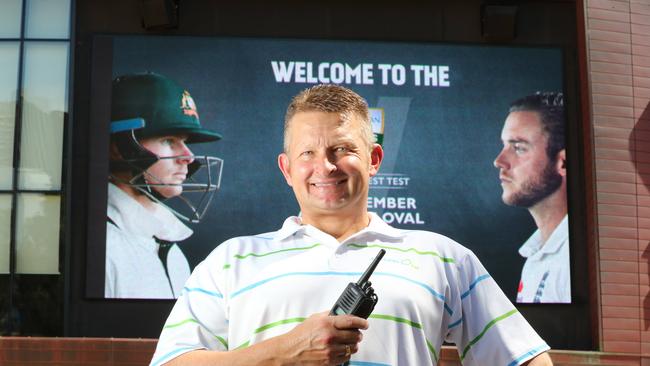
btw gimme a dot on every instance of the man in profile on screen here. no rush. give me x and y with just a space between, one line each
152 121
264 299
532 169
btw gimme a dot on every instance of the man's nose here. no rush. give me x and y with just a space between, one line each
325 165
500 161
185 154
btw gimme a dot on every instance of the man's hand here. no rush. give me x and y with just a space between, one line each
324 340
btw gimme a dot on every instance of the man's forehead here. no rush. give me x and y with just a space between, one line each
337 133
524 119
338 118
324 129
524 125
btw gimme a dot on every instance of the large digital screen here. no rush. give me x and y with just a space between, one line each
457 162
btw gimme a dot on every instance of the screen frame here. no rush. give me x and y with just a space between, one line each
100 84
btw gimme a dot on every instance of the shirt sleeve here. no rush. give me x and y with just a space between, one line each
199 317
490 328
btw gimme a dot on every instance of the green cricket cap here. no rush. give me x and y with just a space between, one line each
165 107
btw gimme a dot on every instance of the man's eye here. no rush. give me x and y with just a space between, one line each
306 153
519 149
341 149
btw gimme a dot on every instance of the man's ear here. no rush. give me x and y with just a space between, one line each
283 164
376 157
560 163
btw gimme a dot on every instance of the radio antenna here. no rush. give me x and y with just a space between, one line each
373 265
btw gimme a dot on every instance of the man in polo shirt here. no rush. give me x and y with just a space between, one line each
264 299
152 122
532 169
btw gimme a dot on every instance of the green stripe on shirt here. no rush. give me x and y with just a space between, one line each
396 319
252 254
182 322
488 326
373 316
223 341
279 322
432 349
272 325
404 250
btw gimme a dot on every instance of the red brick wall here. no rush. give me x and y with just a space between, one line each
618 62
33 351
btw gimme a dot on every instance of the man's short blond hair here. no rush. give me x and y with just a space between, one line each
330 99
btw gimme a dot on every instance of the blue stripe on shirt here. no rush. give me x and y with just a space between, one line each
473 284
198 289
456 323
532 352
355 274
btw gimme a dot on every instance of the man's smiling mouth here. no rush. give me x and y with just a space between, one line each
328 184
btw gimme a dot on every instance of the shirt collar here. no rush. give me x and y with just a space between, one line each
292 225
377 227
558 237
132 217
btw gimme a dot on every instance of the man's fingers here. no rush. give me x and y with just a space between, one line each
354 348
347 337
345 351
349 322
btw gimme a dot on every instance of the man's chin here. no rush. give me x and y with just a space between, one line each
169 192
326 207
508 199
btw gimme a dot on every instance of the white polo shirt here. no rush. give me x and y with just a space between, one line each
430 289
133 268
546 275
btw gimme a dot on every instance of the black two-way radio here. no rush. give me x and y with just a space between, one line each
359 298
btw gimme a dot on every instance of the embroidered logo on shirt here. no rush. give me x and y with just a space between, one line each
405 262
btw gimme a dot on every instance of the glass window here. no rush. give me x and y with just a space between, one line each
47 19
45 77
37 233
5 232
35 286
8 85
10 12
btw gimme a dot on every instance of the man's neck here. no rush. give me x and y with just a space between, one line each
549 213
338 225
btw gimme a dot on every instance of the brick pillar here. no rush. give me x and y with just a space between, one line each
618 58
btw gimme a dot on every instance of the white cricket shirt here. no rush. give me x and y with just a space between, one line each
430 289
546 275
133 268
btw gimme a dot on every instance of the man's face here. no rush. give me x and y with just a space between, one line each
329 164
172 171
527 174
